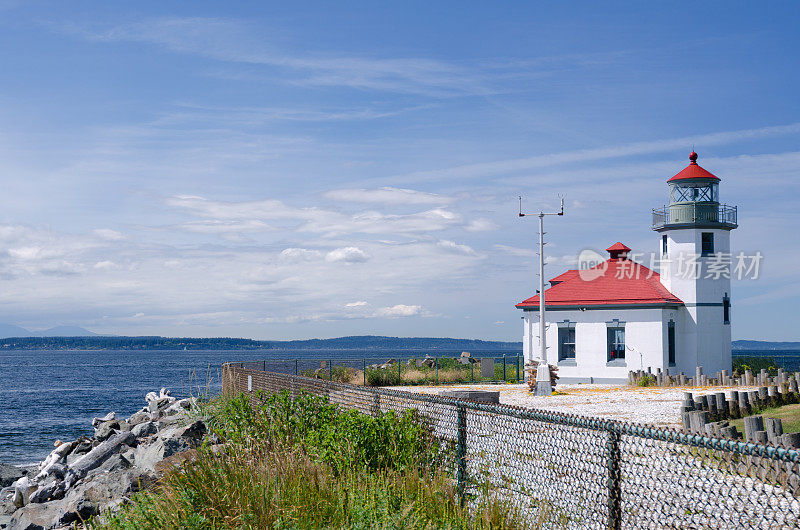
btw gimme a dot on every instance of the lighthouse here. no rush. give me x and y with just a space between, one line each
695 261
620 315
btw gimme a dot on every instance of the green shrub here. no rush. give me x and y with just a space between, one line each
383 377
646 380
755 364
304 463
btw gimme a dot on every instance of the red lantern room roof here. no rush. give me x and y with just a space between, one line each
693 171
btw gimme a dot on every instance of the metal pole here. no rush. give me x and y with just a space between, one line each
330 370
543 386
399 375
504 367
614 481
296 368
461 453
471 371
518 377
437 370
364 371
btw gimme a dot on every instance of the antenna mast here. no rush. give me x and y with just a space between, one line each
543 385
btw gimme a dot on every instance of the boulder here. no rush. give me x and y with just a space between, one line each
105 430
175 461
139 417
146 457
141 430
9 475
35 516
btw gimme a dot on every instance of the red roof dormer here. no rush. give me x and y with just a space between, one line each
618 251
693 171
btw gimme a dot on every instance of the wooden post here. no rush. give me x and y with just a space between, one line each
774 428
752 425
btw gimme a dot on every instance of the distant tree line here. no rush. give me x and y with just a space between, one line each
227 343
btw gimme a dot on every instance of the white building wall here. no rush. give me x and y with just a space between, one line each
645 341
705 339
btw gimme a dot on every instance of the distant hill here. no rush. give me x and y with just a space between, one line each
9 330
99 342
764 345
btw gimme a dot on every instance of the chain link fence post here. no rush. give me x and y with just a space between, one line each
614 480
504 367
461 453
376 404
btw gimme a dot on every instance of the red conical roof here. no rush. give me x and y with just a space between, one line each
693 171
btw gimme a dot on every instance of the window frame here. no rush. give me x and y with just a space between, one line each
671 344
726 309
703 247
664 244
564 330
615 353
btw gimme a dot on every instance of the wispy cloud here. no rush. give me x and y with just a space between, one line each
503 167
232 40
387 195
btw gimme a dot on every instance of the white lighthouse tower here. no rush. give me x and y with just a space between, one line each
695 258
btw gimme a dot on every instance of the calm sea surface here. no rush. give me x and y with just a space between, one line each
49 395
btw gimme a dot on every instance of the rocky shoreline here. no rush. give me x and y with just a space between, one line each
98 474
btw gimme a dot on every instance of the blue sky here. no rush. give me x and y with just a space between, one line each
287 170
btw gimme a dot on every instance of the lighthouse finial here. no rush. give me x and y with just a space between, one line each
693 156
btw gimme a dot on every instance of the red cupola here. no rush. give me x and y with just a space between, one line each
618 251
693 171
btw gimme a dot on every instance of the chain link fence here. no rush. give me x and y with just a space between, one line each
567 471
383 371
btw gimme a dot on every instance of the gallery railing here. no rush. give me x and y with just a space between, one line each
567 471
695 212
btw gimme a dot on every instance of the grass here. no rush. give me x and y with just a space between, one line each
304 463
788 414
449 371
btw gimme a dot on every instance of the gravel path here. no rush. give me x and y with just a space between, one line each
654 406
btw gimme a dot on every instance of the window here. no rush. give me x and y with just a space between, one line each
707 243
703 193
566 341
664 245
671 342
726 309
616 342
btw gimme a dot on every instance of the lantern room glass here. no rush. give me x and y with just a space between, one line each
694 192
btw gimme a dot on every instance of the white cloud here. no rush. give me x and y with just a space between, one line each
360 303
108 234
299 254
387 195
452 246
484 169
225 227
516 251
481 225
347 254
237 41
400 310
105 265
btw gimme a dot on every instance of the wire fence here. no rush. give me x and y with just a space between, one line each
566 471
382 371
